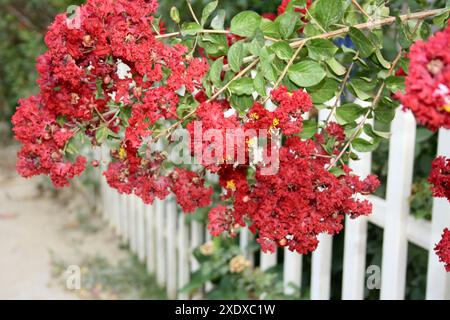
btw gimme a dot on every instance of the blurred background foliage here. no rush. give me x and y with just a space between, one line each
22 28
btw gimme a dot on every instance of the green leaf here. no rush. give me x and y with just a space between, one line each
384 113
324 91
321 49
215 72
309 129
217 23
267 66
236 56
362 88
260 84
371 132
440 20
101 134
242 86
383 62
362 145
306 73
335 66
190 28
395 84
283 50
286 24
349 112
175 15
328 12
270 28
207 10
215 45
362 42
337 171
241 103
245 24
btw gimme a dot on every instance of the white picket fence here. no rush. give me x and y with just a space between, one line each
162 239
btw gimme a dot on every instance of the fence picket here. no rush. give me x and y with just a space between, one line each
438 281
292 272
355 241
400 171
321 258
321 268
268 260
124 217
196 240
171 247
140 221
150 239
132 221
160 243
183 254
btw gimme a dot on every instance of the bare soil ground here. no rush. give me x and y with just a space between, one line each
35 221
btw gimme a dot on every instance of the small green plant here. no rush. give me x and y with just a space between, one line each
232 276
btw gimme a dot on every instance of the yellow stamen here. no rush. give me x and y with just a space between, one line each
275 122
122 153
254 116
446 108
231 184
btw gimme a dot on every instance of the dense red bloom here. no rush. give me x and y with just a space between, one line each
101 65
428 82
190 190
291 106
304 199
43 139
221 219
443 249
215 120
440 177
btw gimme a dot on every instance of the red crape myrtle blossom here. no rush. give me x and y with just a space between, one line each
440 177
428 82
104 62
190 191
288 115
443 249
304 199
214 127
43 139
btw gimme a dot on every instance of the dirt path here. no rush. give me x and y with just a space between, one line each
34 223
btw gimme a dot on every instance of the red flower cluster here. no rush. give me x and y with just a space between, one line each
440 177
190 191
43 139
102 63
428 82
304 199
288 115
443 249
106 70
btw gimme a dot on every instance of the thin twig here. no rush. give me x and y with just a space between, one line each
372 24
358 6
192 11
341 90
285 71
375 102
167 132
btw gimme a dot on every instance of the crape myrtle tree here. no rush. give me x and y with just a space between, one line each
250 96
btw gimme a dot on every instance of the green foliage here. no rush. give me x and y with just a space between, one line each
216 258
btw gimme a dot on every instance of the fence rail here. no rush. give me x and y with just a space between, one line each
162 238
